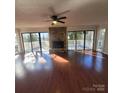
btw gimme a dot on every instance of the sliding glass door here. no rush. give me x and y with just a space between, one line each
89 40
35 41
80 40
17 44
100 41
44 41
71 41
27 42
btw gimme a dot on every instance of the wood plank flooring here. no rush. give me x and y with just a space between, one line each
70 72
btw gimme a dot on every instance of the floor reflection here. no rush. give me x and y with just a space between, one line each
91 53
29 59
92 63
44 62
19 70
98 65
32 63
65 72
48 62
88 62
30 66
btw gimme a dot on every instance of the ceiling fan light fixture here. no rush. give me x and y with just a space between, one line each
54 22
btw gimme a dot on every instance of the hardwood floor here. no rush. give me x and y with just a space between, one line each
70 72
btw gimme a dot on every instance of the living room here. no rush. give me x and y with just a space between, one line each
36 59
61 46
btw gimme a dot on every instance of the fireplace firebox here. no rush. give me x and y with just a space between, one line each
58 44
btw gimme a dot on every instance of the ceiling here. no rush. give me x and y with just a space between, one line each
33 13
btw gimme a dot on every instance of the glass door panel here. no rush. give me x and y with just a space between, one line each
101 38
80 40
89 40
35 41
17 45
71 41
44 42
27 42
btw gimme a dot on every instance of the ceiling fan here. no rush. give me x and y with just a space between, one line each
56 17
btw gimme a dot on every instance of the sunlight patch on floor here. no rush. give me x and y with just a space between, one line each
42 60
58 58
29 58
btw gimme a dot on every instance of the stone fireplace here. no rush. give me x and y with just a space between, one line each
58 38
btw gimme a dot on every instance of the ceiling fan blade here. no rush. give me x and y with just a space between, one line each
61 22
62 18
58 14
47 20
52 10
